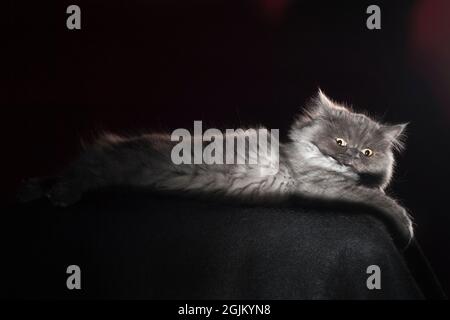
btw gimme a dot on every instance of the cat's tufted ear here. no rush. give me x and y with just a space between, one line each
319 106
393 131
323 100
395 134
326 104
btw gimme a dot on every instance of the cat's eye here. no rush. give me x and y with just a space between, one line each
341 142
367 152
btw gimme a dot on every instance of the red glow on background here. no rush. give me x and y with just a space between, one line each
430 44
274 9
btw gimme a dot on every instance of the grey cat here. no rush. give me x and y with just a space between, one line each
333 154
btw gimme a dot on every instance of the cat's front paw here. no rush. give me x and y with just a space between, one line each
63 194
406 228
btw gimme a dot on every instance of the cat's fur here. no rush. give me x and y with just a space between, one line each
311 165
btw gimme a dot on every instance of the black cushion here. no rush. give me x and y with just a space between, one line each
132 244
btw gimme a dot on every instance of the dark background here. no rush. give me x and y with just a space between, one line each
159 65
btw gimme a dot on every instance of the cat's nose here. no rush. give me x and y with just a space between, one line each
353 152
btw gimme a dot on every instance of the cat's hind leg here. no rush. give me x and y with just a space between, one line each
64 193
35 188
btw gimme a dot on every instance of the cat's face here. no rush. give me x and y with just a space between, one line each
353 140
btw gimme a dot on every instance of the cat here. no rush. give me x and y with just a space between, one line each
333 153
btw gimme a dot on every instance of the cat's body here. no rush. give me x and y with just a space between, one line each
333 154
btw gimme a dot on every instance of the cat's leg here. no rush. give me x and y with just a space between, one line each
393 213
135 162
66 192
95 169
35 188
81 176
66 189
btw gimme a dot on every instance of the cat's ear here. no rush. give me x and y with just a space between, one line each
320 106
323 100
325 104
395 134
393 131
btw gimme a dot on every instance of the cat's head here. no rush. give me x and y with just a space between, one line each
352 139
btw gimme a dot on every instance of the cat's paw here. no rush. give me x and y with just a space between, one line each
63 194
30 189
406 228
408 223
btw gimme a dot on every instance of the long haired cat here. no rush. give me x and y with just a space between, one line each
333 154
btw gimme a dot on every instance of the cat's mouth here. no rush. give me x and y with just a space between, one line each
344 163
347 164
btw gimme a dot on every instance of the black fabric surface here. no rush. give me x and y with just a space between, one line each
136 245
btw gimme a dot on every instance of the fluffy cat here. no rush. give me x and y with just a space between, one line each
333 154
